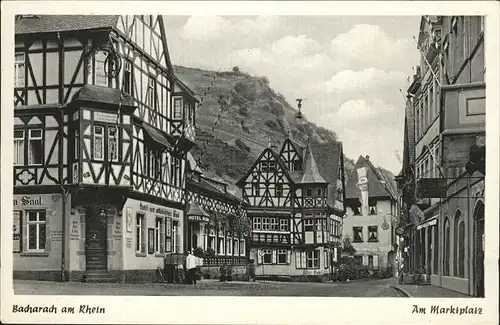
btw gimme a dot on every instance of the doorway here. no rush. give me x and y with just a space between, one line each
95 239
479 250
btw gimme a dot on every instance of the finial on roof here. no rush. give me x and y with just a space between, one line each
367 157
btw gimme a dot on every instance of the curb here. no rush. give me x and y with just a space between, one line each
404 292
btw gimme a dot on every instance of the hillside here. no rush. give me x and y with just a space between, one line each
255 115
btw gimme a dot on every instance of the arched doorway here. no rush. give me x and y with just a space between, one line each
479 249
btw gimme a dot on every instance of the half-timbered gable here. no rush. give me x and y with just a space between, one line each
267 184
292 155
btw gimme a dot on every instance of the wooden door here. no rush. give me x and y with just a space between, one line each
95 243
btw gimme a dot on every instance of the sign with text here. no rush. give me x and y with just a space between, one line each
105 117
431 188
456 148
74 233
199 218
56 235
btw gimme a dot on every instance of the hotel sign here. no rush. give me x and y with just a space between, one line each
431 188
199 218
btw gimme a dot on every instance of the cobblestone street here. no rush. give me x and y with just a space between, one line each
372 288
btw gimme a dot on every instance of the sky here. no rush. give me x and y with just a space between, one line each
350 69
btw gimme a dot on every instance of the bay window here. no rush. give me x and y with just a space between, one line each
283 224
37 230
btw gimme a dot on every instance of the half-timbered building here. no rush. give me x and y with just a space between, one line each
102 127
216 224
295 198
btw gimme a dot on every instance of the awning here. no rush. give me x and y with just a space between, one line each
197 213
157 136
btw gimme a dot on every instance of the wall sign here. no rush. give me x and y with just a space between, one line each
117 234
128 242
16 228
105 117
27 200
74 233
199 218
56 235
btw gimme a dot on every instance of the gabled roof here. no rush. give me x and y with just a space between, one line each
297 146
210 190
63 23
375 187
278 160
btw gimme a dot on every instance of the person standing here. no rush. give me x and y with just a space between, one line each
191 268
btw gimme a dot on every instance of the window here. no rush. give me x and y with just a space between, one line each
18 147
267 256
221 246
211 240
265 223
435 248
255 189
308 192
112 143
77 143
459 233
319 192
272 166
370 262
177 107
140 247
101 78
168 235
372 233
274 224
229 246
235 246
373 207
257 224
297 165
151 98
282 256
358 234
264 167
300 260
242 247
308 224
279 190
98 142
446 240
37 230
326 256
358 259
35 141
313 259
157 236
19 70
176 234
128 79
355 210
283 225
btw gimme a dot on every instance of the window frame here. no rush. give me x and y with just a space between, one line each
373 231
281 252
175 100
158 224
42 143
308 224
257 223
19 142
267 222
19 70
139 236
37 223
284 225
311 257
103 140
273 224
357 230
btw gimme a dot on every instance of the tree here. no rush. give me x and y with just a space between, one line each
236 69
347 246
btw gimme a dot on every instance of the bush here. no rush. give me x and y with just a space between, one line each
243 111
272 124
199 252
210 252
236 69
240 144
265 80
353 271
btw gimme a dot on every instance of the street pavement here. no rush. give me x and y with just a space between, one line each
368 288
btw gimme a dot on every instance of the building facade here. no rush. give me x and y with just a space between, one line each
101 131
371 208
442 182
217 225
295 197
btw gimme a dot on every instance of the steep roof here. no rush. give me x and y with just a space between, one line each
278 160
375 186
311 173
63 23
208 189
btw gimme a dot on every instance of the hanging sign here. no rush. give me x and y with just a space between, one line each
431 188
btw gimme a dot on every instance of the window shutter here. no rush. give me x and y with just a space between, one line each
375 262
162 235
274 256
365 260
143 236
335 254
259 256
303 260
288 257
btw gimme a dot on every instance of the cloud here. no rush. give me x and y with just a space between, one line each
362 109
205 28
349 80
262 24
370 46
295 46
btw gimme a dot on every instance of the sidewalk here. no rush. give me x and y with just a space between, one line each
426 291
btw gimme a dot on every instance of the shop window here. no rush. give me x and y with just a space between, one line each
274 224
37 230
372 233
19 70
313 259
358 234
140 240
18 147
176 235
178 103
267 257
282 256
257 223
308 224
128 78
279 190
284 225
157 236
446 241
